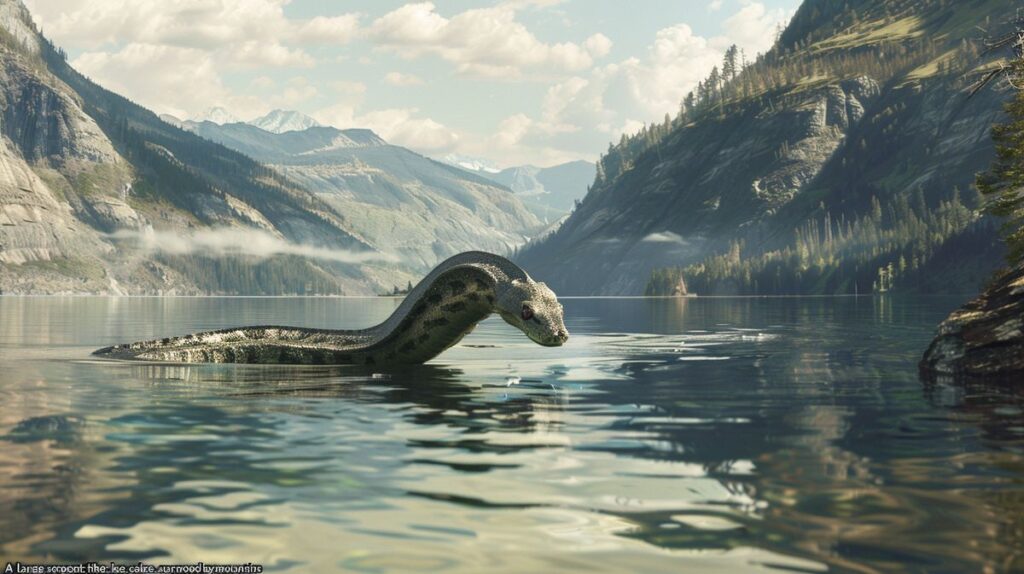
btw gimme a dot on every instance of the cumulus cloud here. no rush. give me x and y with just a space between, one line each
174 56
753 27
328 30
402 80
517 4
171 79
351 90
94 24
297 91
485 42
620 97
225 241
184 56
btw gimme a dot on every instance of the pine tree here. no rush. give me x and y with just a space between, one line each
730 63
1004 181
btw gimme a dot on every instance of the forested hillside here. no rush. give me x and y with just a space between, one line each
842 161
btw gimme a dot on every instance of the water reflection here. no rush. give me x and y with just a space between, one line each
723 434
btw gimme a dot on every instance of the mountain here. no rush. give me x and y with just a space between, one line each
467 163
277 147
217 115
842 161
98 194
397 200
549 192
281 121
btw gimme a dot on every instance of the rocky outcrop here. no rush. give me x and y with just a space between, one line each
83 170
85 173
44 121
682 199
842 122
984 339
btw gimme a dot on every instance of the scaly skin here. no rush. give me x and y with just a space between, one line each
442 309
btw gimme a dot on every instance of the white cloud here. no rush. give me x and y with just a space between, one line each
256 54
172 56
484 42
352 90
183 56
402 80
610 100
170 79
517 4
263 82
93 24
598 45
404 129
297 91
328 30
618 98
753 27
561 96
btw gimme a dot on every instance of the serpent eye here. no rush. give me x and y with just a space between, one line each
527 313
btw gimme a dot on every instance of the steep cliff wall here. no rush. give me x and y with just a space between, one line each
859 106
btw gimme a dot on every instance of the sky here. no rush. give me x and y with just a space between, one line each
513 82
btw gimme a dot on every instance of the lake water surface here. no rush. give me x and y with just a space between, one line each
697 435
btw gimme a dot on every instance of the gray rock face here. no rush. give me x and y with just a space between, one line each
69 200
44 122
984 339
16 21
700 186
44 244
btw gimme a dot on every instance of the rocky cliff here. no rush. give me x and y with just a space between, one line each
860 108
99 195
984 339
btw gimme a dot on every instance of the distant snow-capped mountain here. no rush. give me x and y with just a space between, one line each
217 115
473 164
281 121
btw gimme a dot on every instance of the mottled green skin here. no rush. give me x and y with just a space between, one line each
442 309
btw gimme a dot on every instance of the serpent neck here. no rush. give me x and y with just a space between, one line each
445 311
499 271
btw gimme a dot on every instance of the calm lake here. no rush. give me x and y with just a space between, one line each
699 435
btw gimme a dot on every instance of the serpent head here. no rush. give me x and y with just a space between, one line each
533 309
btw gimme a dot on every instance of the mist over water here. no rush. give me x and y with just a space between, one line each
222 241
668 435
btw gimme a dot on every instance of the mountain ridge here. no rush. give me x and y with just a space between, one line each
766 184
281 121
83 163
399 200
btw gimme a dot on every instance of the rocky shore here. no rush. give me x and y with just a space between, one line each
984 339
